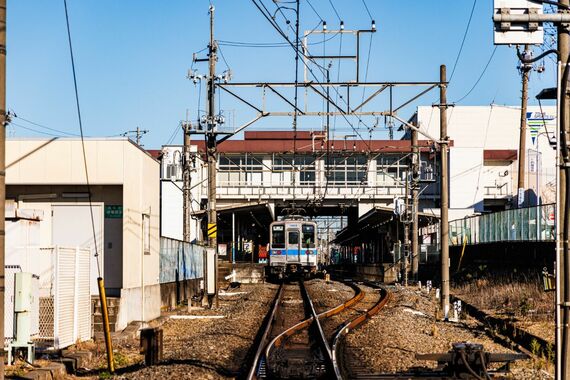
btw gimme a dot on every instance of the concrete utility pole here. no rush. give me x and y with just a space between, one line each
2 170
186 161
525 71
444 192
406 232
563 346
415 227
211 147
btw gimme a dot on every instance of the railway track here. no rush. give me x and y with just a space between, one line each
308 347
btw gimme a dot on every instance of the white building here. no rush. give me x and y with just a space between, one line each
483 159
171 195
48 175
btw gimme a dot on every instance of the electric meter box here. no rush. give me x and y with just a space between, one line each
23 297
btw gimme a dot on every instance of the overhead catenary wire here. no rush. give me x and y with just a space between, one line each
367 10
314 10
245 44
82 139
224 58
335 11
316 81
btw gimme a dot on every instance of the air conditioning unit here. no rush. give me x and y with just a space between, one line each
173 172
427 172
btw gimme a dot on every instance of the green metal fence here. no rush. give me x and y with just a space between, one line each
523 224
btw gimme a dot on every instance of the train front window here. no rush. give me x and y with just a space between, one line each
293 237
278 239
308 236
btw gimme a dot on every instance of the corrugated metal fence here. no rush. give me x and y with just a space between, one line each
180 260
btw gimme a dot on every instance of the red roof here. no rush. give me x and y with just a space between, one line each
156 153
279 135
500 155
284 142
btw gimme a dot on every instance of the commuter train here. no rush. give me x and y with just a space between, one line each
292 248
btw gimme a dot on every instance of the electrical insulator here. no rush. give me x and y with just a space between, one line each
324 25
373 25
342 25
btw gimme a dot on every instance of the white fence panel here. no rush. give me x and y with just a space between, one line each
83 294
64 313
64 297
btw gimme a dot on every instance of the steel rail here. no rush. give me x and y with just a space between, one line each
323 341
355 322
303 324
252 374
279 339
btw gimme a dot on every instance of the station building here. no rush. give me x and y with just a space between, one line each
261 175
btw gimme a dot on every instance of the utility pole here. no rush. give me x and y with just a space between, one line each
186 161
415 227
563 231
138 134
444 192
211 147
3 121
406 231
208 127
525 71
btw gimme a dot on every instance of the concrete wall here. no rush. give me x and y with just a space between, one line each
141 196
173 293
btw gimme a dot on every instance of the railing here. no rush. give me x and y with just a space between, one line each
523 224
498 190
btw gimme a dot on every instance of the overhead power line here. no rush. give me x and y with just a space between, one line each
34 130
43 126
463 40
82 137
480 76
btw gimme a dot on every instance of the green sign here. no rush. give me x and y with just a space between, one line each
113 212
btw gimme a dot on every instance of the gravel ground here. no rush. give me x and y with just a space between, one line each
219 345
326 295
387 343
201 348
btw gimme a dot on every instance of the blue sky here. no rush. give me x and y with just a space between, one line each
132 57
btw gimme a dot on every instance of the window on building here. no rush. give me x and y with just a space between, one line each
349 170
391 170
240 169
302 167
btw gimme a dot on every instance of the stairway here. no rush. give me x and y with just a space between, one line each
113 304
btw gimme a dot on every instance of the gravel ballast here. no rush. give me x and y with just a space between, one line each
407 325
211 348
